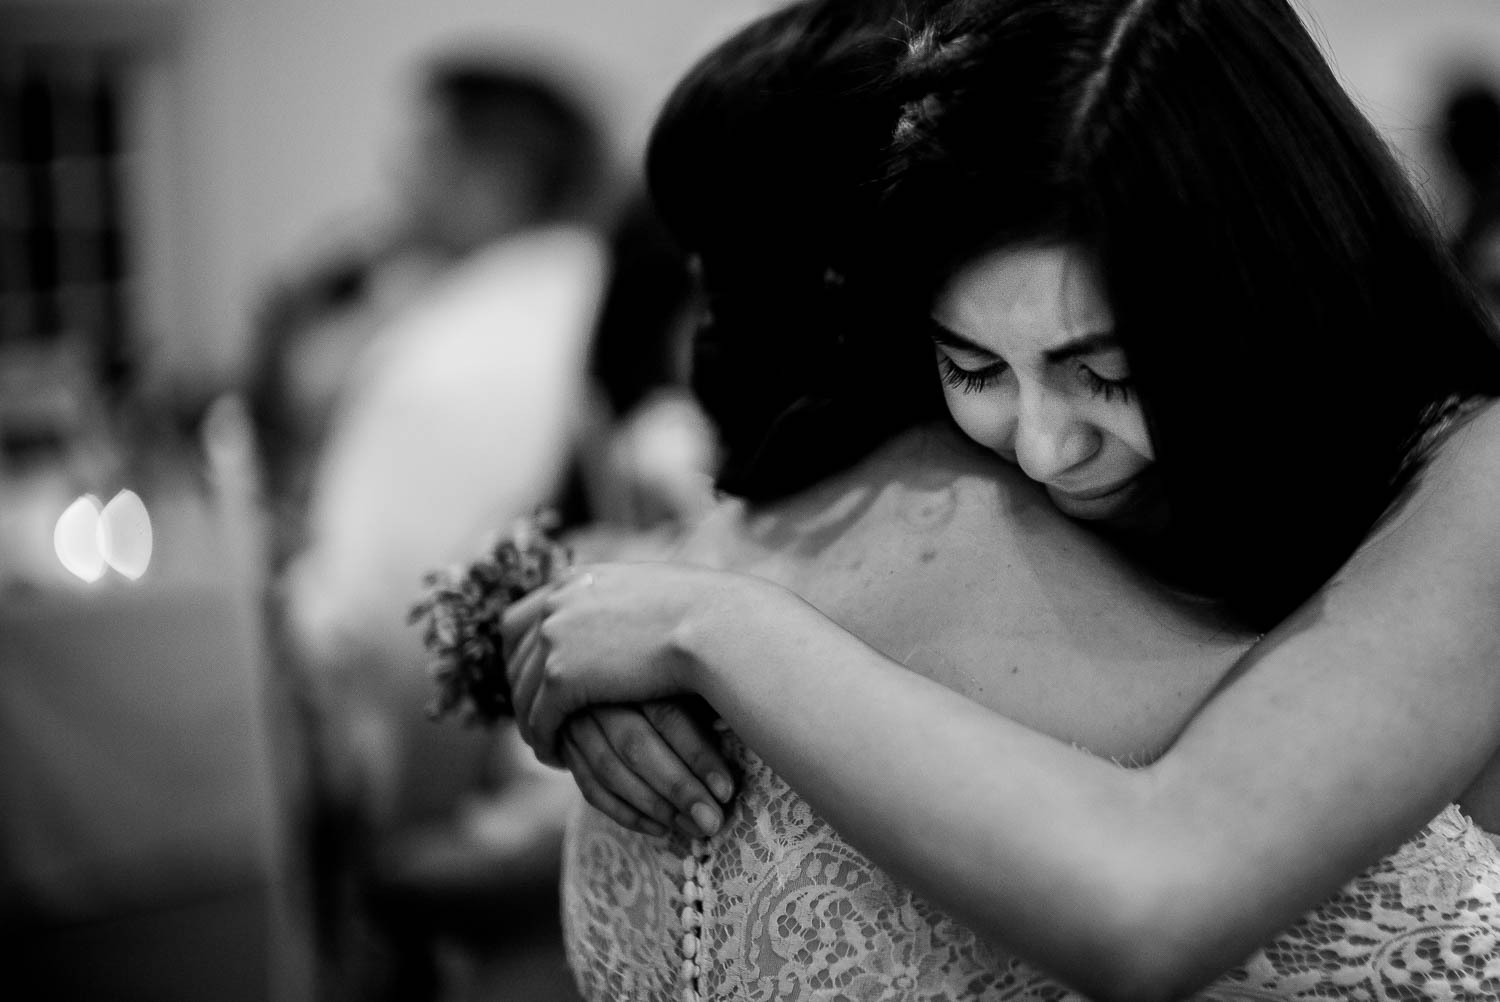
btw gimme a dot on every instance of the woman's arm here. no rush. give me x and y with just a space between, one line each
1346 730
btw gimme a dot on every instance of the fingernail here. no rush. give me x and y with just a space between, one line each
706 817
722 787
654 828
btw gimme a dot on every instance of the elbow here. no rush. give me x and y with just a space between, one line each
1147 975
1148 947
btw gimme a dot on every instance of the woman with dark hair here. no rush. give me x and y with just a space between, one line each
1164 267
1255 242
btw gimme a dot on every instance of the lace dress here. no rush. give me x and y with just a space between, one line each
777 906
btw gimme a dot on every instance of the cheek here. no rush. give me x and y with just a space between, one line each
1128 426
983 417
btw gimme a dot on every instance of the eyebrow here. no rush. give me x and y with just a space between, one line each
1088 344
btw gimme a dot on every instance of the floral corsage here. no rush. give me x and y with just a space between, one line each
460 616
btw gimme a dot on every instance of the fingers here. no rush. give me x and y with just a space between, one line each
601 798
521 616
646 751
693 741
525 671
526 663
589 733
519 659
542 721
633 761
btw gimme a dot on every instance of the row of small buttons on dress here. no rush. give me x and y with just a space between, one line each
694 878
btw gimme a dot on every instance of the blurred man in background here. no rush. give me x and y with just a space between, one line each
493 151
411 394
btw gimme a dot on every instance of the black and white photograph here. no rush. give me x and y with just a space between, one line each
749 500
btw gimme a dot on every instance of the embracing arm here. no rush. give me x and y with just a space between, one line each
1344 732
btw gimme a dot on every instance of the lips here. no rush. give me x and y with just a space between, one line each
1093 494
1099 503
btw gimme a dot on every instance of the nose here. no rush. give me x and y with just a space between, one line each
1051 437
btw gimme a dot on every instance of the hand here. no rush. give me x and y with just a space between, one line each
610 633
649 767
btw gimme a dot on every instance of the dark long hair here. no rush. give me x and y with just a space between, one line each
1289 314
763 164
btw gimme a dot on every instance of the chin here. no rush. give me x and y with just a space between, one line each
1134 504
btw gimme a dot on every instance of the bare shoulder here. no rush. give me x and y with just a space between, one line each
1452 509
921 531
953 563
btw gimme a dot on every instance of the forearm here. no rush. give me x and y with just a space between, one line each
1349 729
1059 856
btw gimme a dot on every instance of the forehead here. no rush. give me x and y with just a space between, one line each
1025 298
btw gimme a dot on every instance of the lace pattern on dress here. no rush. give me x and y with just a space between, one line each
793 912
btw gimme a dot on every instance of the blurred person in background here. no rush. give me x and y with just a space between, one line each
647 465
1469 139
493 150
425 384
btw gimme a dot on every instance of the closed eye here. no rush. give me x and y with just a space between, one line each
1109 389
969 380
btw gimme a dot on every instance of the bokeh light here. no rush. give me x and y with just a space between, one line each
76 539
125 537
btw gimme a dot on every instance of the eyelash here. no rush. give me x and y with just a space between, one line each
967 381
1109 389
973 381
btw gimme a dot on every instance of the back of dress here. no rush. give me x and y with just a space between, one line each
778 906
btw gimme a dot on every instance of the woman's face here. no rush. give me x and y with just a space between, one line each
1032 370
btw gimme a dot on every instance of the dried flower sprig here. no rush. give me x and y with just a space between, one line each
460 612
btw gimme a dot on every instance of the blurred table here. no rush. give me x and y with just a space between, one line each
139 850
